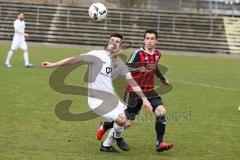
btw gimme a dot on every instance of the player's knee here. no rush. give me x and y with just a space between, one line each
121 120
160 115
129 123
160 110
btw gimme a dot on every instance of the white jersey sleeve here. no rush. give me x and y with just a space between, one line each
96 53
89 57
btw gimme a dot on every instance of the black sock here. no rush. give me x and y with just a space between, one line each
108 125
118 139
160 127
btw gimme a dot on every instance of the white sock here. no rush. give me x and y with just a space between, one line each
115 132
118 130
109 140
25 56
9 56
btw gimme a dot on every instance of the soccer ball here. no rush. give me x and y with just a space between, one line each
97 11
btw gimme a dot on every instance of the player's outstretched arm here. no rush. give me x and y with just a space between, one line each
139 92
159 74
90 59
64 62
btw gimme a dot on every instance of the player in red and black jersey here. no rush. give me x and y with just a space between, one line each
143 67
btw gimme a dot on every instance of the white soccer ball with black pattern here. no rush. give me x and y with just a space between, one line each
97 11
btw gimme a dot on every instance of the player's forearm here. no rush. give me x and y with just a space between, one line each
139 92
22 33
135 87
66 61
160 75
72 60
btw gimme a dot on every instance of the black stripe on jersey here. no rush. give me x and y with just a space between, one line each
148 77
134 57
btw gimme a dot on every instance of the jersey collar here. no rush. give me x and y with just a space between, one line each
143 48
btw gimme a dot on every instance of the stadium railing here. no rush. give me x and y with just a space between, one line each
71 25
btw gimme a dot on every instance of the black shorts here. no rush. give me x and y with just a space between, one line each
134 102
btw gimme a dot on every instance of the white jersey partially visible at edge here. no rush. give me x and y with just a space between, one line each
20 26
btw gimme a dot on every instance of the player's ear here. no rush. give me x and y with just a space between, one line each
156 39
121 44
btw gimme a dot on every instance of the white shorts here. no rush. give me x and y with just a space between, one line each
113 114
18 43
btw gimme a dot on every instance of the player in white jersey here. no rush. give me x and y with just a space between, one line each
105 66
19 41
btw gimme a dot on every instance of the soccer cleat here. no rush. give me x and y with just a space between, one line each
29 65
163 147
108 149
122 144
100 132
8 65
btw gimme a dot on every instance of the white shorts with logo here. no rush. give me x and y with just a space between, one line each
113 114
18 42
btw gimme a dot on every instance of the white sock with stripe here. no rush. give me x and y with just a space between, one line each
115 132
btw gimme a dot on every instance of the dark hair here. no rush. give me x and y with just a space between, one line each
151 31
20 12
116 35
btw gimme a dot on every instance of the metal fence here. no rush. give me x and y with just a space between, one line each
230 7
72 25
38 10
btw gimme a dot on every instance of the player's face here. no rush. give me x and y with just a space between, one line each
114 44
21 16
150 41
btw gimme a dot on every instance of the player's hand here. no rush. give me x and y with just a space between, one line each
47 64
167 83
147 105
26 35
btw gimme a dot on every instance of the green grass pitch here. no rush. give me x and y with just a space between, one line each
202 111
